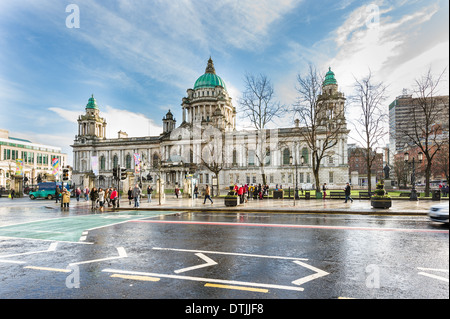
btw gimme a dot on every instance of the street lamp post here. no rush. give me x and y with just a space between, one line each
296 174
412 164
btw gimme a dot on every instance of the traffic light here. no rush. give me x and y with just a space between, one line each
65 175
115 172
123 173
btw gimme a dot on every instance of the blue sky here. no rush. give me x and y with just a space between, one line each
138 57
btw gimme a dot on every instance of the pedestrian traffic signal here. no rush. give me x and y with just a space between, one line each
115 172
123 173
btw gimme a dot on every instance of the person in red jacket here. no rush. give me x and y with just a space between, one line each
113 197
241 194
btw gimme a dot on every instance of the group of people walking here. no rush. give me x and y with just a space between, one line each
134 194
246 192
99 197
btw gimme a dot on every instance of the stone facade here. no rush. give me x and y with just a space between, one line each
207 142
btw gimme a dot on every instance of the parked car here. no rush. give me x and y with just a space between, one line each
439 213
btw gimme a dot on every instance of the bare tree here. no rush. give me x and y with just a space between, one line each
322 123
212 156
401 172
370 126
428 125
259 106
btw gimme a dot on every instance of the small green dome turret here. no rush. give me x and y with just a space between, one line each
92 103
329 78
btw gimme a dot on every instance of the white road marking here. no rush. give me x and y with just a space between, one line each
120 250
12 261
433 276
432 269
209 262
227 253
220 281
50 249
319 273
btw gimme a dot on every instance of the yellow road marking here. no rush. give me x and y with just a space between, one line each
134 277
48 269
237 287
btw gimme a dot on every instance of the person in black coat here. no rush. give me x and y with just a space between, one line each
347 193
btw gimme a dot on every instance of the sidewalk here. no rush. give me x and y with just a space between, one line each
329 206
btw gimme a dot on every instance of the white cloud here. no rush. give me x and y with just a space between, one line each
134 124
385 48
395 50
70 116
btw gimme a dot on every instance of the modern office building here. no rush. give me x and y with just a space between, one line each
35 159
404 114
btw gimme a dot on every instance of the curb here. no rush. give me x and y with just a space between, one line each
280 211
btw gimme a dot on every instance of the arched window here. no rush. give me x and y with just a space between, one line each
128 161
267 158
286 155
234 157
156 162
251 157
102 163
305 155
115 161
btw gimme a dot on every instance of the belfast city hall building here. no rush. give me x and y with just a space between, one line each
207 147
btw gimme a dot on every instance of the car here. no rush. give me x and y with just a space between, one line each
439 213
46 190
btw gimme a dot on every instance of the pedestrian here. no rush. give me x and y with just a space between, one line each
136 195
149 193
208 195
177 191
324 189
94 197
57 193
101 198
196 191
241 194
113 197
130 195
107 196
65 198
12 194
86 194
251 189
347 193
78 193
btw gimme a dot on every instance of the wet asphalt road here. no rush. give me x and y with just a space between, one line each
220 255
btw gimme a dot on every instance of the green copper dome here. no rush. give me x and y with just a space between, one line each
210 79
92 103
329 78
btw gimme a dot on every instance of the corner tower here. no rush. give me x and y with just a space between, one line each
91 125
168 123
331 102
